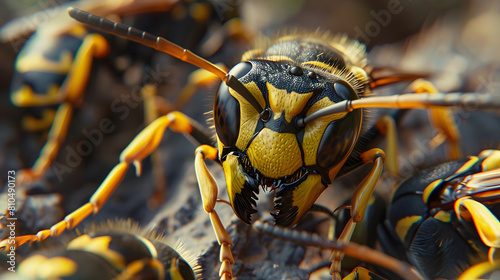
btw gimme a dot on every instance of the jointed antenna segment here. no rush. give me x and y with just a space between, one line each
163 45
410 101
147 39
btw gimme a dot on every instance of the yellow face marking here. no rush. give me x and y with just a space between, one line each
275 154
249 117
306 194
234 176
315 129
429 189
35 61
100 246
47 268
324 102
254 90
291 103
404 225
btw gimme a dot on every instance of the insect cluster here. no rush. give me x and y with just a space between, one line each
300 123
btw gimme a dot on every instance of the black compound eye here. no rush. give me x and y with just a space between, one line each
338 139
340 135
226 116
241 69
227 108
345 91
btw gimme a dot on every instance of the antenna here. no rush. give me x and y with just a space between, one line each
410 101
163 45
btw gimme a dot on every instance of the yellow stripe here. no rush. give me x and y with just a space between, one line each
57 267
468 164
37 62
321 65
404 225
47 268
429 189
443 216
479 270
492 161
252 54
288 37
279 58
487 224
26 97
30 266
99 246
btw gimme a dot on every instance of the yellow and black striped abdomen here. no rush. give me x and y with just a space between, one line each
110 254
423 214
